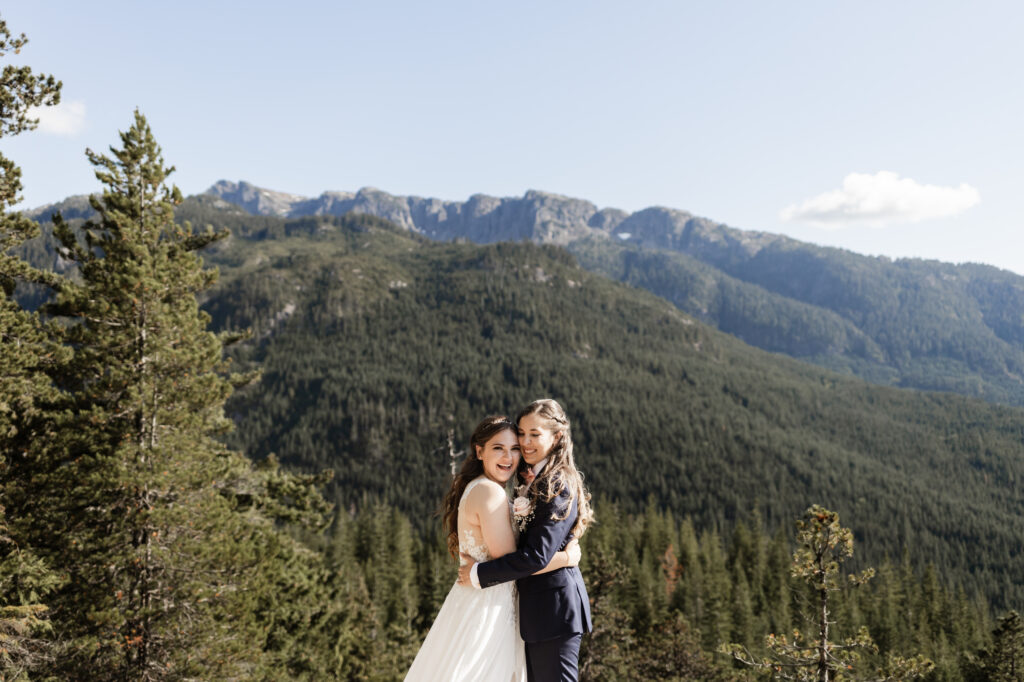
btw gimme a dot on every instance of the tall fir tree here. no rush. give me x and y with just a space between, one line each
27 350
167 538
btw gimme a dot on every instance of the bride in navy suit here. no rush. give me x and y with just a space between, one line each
554 508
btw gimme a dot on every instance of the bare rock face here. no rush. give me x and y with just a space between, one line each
607 220
706 240
558 219
536 216
328 203
541 217
374 202
256 200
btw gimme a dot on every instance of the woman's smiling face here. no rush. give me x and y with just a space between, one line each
500 456
535 438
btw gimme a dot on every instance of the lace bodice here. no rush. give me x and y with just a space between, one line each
469 541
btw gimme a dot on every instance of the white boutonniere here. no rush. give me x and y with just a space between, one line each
522 509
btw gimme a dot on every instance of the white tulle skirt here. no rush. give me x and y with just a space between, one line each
475 638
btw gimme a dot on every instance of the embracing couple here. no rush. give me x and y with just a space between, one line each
529 547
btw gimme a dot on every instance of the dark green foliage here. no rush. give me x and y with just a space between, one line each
913 323
606 652
379 570
371 639
27 351
644 600
25 631
168 544
374 343
651 579
161 552
1003 660
671 651
920 324
135 497
816 653
745 310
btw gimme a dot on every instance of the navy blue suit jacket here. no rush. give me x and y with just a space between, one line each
552 604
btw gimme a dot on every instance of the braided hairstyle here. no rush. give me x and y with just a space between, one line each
560 472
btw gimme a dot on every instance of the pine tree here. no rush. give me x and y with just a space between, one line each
688 595
436 572
360 638
822 545
1003 661
778 595
742 608
25 631
27 350
672 652
605 654
716 624
166 536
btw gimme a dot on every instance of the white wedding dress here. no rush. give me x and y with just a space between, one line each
475 637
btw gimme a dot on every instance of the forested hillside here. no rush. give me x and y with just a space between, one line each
909 322
167 436
375 343
926 324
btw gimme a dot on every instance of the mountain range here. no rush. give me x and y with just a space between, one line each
376 342
909 322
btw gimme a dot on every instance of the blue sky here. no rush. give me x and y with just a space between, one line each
888 128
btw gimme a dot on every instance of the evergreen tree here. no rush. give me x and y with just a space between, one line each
27 350
716 623
436 572
688 596
742 609
822 544
778 595
672 652
25 630
168 538
1003 661
605 653
360 638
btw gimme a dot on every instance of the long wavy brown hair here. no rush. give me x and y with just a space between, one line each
560 471
472 467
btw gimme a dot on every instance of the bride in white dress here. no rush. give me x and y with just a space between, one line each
475 637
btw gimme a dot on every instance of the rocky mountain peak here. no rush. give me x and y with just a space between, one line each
537 216
257 200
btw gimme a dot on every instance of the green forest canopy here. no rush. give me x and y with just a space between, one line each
375 343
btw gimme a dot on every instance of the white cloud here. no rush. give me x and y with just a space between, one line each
67 118
881 199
